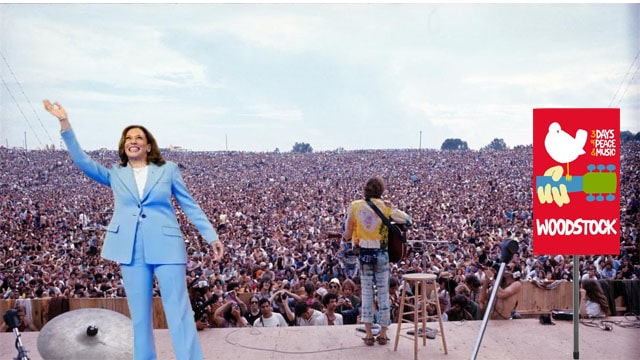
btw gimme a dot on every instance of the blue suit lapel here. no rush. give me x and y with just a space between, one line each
125 174
153 176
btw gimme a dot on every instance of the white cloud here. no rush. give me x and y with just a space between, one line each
119 55
272 74
270 112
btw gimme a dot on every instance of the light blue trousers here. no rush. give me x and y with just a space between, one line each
377 274
138 283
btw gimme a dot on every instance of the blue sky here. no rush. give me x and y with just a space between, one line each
256 77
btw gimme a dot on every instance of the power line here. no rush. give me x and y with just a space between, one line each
19 108
28 101
628 86
624 80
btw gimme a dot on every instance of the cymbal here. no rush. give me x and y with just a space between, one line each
87 334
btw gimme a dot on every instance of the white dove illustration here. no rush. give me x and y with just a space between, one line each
562 147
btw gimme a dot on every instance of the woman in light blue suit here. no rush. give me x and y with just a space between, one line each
144 235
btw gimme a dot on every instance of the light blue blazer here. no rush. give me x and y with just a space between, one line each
151 217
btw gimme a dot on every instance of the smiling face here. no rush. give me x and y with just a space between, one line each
136 146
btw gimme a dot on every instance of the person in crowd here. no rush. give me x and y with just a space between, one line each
509 290
44 240
349 298
368 235
309 293
268 318
593 303
230 315
394 298
334 286
591 273
24 325
253 312
446 290
150 242
331 317
265 286
458 310
231 294
282 302
608 271
474 285
307 316
201 303
472 307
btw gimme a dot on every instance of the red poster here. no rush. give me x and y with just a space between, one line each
576 181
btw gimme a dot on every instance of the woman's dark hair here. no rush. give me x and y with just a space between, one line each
154 155
263 280
309 287
229 316
232 285
374 187
594 293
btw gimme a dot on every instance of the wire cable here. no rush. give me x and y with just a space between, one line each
624 80
20 109
27 98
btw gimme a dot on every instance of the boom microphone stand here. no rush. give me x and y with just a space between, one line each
12 321
507 249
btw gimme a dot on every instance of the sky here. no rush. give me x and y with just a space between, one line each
260 77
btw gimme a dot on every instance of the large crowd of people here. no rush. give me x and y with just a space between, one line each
281 217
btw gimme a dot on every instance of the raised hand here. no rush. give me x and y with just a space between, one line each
55 109
218 250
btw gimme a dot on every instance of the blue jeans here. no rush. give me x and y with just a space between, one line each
377 274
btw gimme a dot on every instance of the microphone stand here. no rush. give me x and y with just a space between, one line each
22 352
488 311
12 321
507 250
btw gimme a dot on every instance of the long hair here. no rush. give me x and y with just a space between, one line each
228 316
594 293
374 187
154 155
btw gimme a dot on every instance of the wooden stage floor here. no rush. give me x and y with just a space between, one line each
503 339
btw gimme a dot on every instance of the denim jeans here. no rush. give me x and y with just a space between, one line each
377 274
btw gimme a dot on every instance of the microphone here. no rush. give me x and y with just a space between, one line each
11 318
508 248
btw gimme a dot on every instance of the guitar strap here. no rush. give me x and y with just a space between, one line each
385 219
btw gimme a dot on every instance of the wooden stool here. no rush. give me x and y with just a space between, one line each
417 306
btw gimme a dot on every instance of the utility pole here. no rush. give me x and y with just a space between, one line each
420 145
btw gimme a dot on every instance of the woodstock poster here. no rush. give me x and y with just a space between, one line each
576 181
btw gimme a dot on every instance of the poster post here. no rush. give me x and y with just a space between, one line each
576 305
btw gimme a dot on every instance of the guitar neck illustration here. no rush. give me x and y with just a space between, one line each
598 185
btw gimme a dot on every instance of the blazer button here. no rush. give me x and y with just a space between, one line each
138 206
144 216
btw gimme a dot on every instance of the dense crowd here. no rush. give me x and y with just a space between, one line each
282 213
